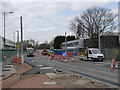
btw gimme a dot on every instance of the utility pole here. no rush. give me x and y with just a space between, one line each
21 40
14 39
4 30
17 46
4 25
65 43
99 38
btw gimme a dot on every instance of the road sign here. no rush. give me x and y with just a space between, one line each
64 54
17 45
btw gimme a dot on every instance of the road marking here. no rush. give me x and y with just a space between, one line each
103 63
89 69
84 68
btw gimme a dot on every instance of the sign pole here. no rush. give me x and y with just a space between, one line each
22 56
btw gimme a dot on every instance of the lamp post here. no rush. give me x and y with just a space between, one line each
4 26
14 40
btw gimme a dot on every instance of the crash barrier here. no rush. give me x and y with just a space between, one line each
7 56
114 65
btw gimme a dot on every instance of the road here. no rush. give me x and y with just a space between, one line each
96 70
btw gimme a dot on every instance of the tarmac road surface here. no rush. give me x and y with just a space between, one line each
96 70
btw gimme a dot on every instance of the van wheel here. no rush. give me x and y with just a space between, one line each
101 60
81 58
89 59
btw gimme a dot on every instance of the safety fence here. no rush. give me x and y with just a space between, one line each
6 56
111 53
67 58
108 53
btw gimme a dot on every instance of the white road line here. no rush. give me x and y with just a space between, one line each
89 69
102 63
85 68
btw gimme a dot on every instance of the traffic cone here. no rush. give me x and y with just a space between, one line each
52 57
112 65
61 60
116 66
66 60
73 60
113 61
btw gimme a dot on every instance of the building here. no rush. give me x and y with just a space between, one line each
107 42
8 43
73 44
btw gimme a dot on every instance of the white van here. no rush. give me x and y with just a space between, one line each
92 54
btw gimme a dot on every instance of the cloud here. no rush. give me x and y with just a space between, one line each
43 20
61 1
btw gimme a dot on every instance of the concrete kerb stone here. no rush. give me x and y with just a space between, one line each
51 75
81 82
46 70
49 83
39 65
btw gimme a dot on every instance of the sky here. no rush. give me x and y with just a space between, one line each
44 20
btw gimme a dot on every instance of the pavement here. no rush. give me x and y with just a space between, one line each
7 71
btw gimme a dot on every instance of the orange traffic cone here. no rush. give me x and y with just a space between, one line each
73 60
112 65
66 60
61 60
112 68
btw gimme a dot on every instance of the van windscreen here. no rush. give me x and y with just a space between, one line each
96 51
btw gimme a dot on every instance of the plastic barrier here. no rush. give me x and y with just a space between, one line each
15 59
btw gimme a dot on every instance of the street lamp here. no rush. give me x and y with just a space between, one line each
4 26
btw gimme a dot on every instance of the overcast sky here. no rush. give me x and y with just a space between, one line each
43 20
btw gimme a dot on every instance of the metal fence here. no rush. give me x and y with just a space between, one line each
6 56
111 53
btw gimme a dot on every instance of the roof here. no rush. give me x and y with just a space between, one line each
72 41
72 47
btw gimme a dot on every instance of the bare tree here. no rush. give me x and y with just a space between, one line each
78 27
93 20
110 33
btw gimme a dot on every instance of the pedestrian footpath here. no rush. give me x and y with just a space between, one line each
7 71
